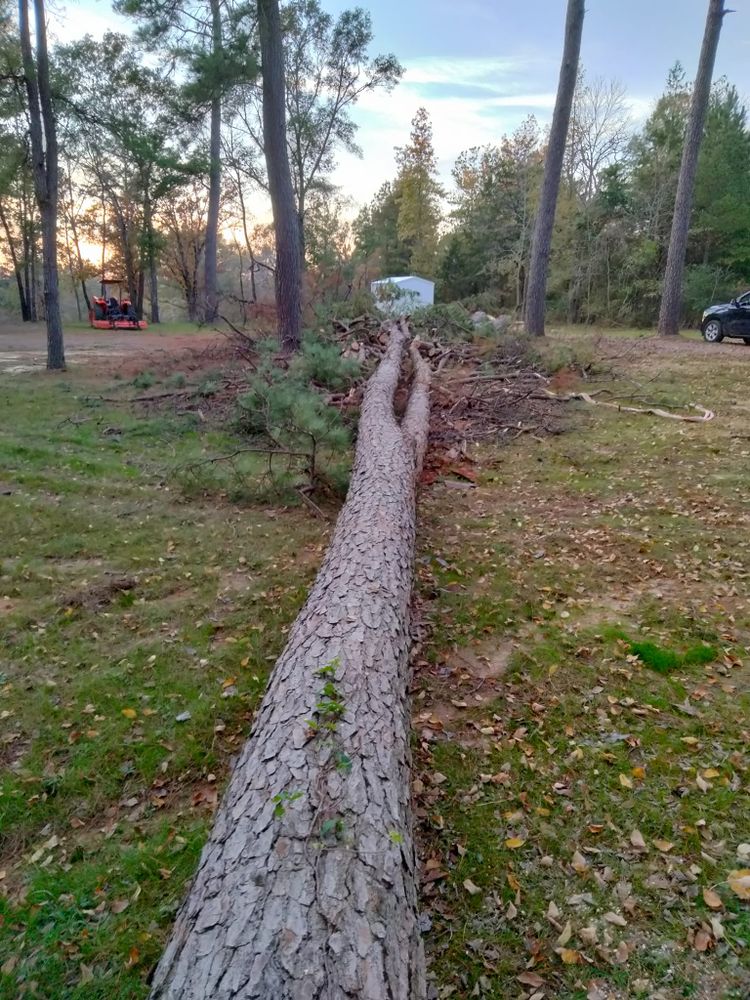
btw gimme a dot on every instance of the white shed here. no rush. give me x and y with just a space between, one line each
401 294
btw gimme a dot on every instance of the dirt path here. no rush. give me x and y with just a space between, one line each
23 348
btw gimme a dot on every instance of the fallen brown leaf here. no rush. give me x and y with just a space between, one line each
579 863
739 882
712 899
566 935
568 955
665 846
636 839
530 979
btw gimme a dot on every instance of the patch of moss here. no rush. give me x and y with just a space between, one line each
664 661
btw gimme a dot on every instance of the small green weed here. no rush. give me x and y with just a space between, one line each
144 380
282 800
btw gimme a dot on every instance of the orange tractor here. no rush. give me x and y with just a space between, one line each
114 312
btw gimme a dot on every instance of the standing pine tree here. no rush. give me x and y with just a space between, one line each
419 194
211 288
536 289
669 315
44 154
285 218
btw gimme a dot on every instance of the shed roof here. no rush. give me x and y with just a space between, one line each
402 277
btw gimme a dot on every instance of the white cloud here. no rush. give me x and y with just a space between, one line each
640 108
471 102
87 17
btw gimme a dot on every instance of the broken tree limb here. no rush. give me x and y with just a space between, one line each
306 888
703 417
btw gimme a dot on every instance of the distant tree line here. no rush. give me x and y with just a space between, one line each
163 149
163 145
614 212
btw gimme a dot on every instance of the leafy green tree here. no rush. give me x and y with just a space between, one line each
419 194
208 38
457 274
496 190
328 68
378 243
182 226
720 228
122 126
328 247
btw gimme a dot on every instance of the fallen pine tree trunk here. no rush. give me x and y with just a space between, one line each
306 888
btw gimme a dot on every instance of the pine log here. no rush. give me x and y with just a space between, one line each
306 889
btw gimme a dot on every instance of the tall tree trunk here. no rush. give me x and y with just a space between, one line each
153 288
43 131
243 301
34 282
248 242
104 235
133 279
671 299
536 288
74 282
210 279
140 293
153 278
306 887
288 273
27 267
17 269
77 242
71 266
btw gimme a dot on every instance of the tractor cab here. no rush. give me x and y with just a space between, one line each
112 308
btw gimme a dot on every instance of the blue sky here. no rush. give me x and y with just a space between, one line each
481 66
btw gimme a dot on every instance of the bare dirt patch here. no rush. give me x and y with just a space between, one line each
486 661
467 680
99 593
23 350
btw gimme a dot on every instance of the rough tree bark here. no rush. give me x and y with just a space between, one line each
536 287
306 888
44 154
671 298
153 277
288 273
210 279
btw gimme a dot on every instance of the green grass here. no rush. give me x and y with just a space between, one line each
105 795
604 568
541 729
664 661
